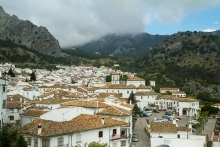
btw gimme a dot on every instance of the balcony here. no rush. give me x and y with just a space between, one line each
120 137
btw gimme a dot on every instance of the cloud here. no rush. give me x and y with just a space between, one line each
216 22
208 30
75 22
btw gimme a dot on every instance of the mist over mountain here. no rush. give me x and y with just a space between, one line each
126 45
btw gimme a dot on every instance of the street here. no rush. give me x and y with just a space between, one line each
141 124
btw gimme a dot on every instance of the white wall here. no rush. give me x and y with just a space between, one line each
3 97
145 100
177 142
86 137
136 83
26 119
65 114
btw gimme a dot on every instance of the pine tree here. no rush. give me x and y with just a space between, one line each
20 142
132 98
11 73
33 76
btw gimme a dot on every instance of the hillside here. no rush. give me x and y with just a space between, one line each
124 45
184 58
23 56
26 33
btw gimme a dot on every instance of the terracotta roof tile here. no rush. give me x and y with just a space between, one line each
135 79
82 122
113 110
90 104
119 86
182 128
145 93
50 101
142 86
178 99
33 112
166 127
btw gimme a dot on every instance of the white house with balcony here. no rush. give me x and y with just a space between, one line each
120 114
145 99
182 106
80 130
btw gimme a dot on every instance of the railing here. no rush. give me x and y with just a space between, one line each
119 136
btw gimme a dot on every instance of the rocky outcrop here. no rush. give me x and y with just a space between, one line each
28 34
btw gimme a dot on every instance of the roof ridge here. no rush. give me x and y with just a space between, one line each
120 110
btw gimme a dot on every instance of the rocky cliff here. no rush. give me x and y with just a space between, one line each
28 34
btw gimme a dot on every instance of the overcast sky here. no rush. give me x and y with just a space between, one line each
75 22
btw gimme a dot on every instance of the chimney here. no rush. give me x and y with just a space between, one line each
39 129
102 121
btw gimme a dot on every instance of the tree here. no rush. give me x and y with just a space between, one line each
132 98
108 78
94 144
33 76
11 73
210 109
20 142
204 96
97 144
123 78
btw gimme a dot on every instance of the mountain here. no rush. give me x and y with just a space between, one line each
189 60
124 45
28 34
22 56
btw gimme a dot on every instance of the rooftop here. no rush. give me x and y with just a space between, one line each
82 122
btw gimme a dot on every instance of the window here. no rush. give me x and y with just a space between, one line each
178 136
29 140
127 92
35 142
114 132
4 104
123 143
78 138
60 141
100 134
45 142
4 88
11 117
141 97
114 144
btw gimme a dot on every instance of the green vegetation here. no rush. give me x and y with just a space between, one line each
108 78
11 73
132 98
210 109
94 144
33 76
9 137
